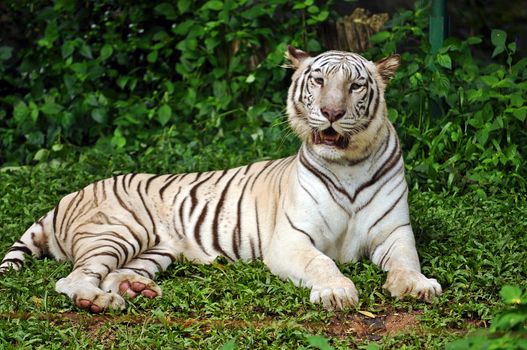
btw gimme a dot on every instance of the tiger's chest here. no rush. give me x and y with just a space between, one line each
340 208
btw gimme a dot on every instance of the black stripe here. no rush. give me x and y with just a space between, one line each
307 191
134 215
151 217
164 254
236 235
215 234
140 271
223 172
386 166
168 181
66 212
379 188
388 211
80 262
299 230
326 181
197 227
15 261
123 182
22 249
124 256
257 230
149 181
266 165
193 190
153 261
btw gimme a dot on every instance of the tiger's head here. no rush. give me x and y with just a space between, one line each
336 101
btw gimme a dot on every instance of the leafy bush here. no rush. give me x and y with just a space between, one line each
508 330
118 74
150 78
478 134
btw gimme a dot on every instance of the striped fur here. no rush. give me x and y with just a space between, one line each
342 197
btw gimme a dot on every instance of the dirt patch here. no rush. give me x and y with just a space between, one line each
361 325
372 327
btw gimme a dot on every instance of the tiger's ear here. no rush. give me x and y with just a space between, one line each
295 56
387 67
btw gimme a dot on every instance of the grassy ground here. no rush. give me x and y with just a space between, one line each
473 246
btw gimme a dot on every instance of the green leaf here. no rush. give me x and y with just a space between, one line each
517 100
122 81
85 50
498 50
250 78
164 114
380 37
511 294
444 60
99 115
498 37
473 40
106 52
215 5
5 53
166 9
21 111
118 140
520 113
230 345
42 154
52 32
183 5
67 48
152 57
319 342
490 80
51 108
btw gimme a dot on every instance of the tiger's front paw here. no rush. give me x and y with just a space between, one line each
401 282
335 295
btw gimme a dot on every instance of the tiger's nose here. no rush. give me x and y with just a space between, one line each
332 114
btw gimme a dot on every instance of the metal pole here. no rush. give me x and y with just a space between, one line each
437 25
436 36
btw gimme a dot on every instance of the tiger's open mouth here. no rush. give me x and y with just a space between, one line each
329 137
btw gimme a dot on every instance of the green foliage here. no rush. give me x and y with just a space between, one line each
508 330
462 119
117 74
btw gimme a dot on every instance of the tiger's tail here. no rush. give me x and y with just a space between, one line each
35 241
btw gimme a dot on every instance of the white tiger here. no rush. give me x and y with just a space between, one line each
343 196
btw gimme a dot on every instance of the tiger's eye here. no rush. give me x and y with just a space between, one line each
319 81
355 86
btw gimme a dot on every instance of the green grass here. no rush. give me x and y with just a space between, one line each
473 246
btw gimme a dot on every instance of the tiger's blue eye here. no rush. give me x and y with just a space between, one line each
319 81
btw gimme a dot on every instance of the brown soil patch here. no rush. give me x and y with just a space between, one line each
357 325
373 328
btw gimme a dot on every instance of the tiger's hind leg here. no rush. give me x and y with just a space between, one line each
95 255
136 277
82 287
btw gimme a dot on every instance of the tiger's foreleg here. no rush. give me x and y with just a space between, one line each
398 255
291 255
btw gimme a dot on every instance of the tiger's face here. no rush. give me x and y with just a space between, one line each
336 100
